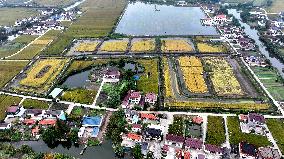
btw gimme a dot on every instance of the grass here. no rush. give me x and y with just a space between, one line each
276 127
8 69
82 96
211 48
276 7
54 3
5 102
35 104
215 105
37 46
15 45
98 20
272 81
236 136
148 81
215 134
10 15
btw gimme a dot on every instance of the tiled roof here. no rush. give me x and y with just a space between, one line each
151 96
153 132
193 143
34 111
139 126
174 138
197 119
29 121
135 95
134 136
256 117
12 109
47 122
148 116
268 153
213 148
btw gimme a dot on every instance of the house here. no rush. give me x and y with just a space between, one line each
34 113
147 117
95 121
35 131
268 153
4 126
191 143
111 75
59 114
153 134
135 97
136 127
151 98
132 98
197 120
29 121
256 118
133 137
47 122
247 150
56 92
174 140
213 149
243 118
14 110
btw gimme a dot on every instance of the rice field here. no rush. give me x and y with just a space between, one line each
211 48
114 46
176 45
143 45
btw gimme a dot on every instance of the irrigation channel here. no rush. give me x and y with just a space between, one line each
253 33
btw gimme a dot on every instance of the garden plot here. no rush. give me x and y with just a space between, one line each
192 70
211 48
41 76
143 45
114 46
176 45
222 77
215 131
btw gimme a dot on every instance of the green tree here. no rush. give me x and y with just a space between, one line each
136 152
50 136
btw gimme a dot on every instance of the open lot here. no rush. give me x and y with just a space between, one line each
9 69
14 14
236 136
5 102
272 81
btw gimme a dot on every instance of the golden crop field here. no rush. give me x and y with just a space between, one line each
43 72
198 105
192 70
114 46
167 76
210 48
144 45
87 47
222 77
176 45
42 42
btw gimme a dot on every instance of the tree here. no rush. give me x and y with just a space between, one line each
50 136
136 152
119 150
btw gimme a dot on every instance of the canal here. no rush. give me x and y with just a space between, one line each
254 35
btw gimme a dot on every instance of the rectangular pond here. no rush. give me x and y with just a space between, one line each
145 19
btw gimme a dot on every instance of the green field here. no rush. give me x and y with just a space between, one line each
14 14
54 3
276 127
5 102
9 69
148 81
79 96
272 81
215 134
236 136
276 7
16 45
35 104
98 19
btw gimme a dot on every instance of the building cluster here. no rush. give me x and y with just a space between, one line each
216 20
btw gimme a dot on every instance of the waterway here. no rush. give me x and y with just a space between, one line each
104 151
78 80
254 35
145 19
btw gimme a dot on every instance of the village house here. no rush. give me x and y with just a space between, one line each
268 153
111 75
213 149
174 140
153 132
14 111
132 99
130 139
145 117
47 122
37 114
4 126
247 150
151 98
191 143
136 128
